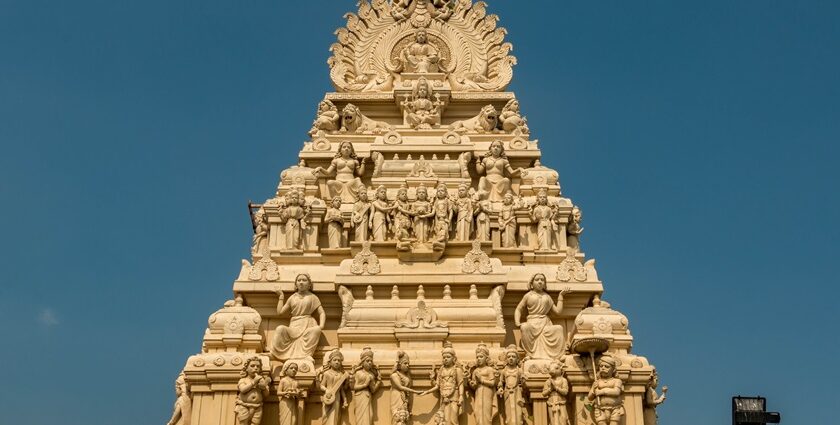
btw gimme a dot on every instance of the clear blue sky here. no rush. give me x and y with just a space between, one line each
700 139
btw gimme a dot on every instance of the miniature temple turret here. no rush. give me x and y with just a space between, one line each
418 222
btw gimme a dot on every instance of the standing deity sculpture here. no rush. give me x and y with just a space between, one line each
423 213
483 208
420 57
448 382
335 224
182 411
511 119
333 382
493 167
294 216
326 119
652 399
347 168
380 217
421 112
574 229
556 390
402 219
260 240
543 215
443 212
511 388
289 394
606 393
252 390
402 394
483 380
364 382
360 218
300 338
507 221
465 212
540 338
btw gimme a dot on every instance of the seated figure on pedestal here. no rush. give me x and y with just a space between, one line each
300 338
420 57
540 338
493 183
421 111
347 168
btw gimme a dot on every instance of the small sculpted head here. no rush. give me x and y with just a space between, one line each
402 194
482 355
511 356
303 283
512 106
252 367
336 360
421 36
508 200
463 191
403 362
606 367
542 198
336 202
497 148
362 194
537 283
448 355
345 150
555 369
366 359
381 193
441 192
290 369
422 193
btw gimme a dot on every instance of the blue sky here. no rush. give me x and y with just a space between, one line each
699 138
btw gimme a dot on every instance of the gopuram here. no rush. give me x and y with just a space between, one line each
419 264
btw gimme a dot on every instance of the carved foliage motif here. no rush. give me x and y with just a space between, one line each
365 262
571 269
476 260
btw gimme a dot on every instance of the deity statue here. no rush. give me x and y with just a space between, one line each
511 387
402 219
182 411
360 219
443 213
483 208
327 118
289 394
347 168
540 338
333 381
294 216
483 380
574 228
448 382
511 118
253 389
380 219
556 390
335 224
493 184
606 393
364 381
260 239
507 221
422 113
652 399
543 215
401 391
420 57
300 338
464 209
423 212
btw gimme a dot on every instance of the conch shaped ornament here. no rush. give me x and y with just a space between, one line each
478 57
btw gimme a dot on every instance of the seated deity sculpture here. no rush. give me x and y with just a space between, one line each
511 118
420 57
494 183
421 112
540 338
347 168
299 339
327 119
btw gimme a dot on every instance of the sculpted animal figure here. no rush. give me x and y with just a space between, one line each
353 121
486 121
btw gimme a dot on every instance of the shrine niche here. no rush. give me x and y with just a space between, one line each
417 263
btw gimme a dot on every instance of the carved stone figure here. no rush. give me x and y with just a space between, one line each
353 121
494 169
294 216
540 338
511 386
482 218
652 399
380 219
289 394
437 9
260 240
423 213
448 382
574 228
378 161
483 380
402 219
364 381
327 118
556 390
543 215
421 112
443 213
182 411
486 121
252 388
360 219
511 118
605 393
420 57
464 209
300 338
401 391
335 224
347 168
333 381
507 221
463 163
